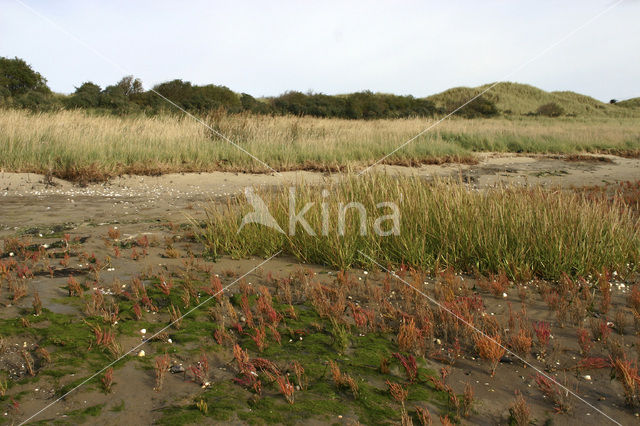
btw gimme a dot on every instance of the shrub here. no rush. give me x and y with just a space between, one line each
35 101
115 99
360 105
551 109
85 96
480 107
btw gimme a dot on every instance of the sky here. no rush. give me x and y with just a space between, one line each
266 48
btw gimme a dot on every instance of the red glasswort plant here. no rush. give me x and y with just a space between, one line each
162 364
409 336
164 285
424 416
342 380
398 392
552 391
74 287
584 341
200 371
627 374
490 349
409 364
285 387
519 412
543 334
107 380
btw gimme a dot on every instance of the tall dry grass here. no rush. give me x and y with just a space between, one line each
77 144
525 232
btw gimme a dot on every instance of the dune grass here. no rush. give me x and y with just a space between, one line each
525 232
79 145
517 99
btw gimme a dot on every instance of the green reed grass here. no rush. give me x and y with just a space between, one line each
525 232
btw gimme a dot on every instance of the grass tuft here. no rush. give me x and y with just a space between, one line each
525 232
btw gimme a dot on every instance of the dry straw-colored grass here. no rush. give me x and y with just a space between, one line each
81 146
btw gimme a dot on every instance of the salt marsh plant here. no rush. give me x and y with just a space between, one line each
490 349
524 232
519 412
107 380
162 364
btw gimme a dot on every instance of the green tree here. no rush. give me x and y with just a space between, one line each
18 77
291 102
178 91
85 96
365 105
205 98
115 99
131 87
251 104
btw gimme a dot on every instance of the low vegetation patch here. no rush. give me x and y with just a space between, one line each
525 232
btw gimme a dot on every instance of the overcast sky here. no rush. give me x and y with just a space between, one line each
267 47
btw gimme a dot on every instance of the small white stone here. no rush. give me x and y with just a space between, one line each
504 294
141 354
587 377
143 331
169 340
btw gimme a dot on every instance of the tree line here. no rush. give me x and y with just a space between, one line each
23 87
